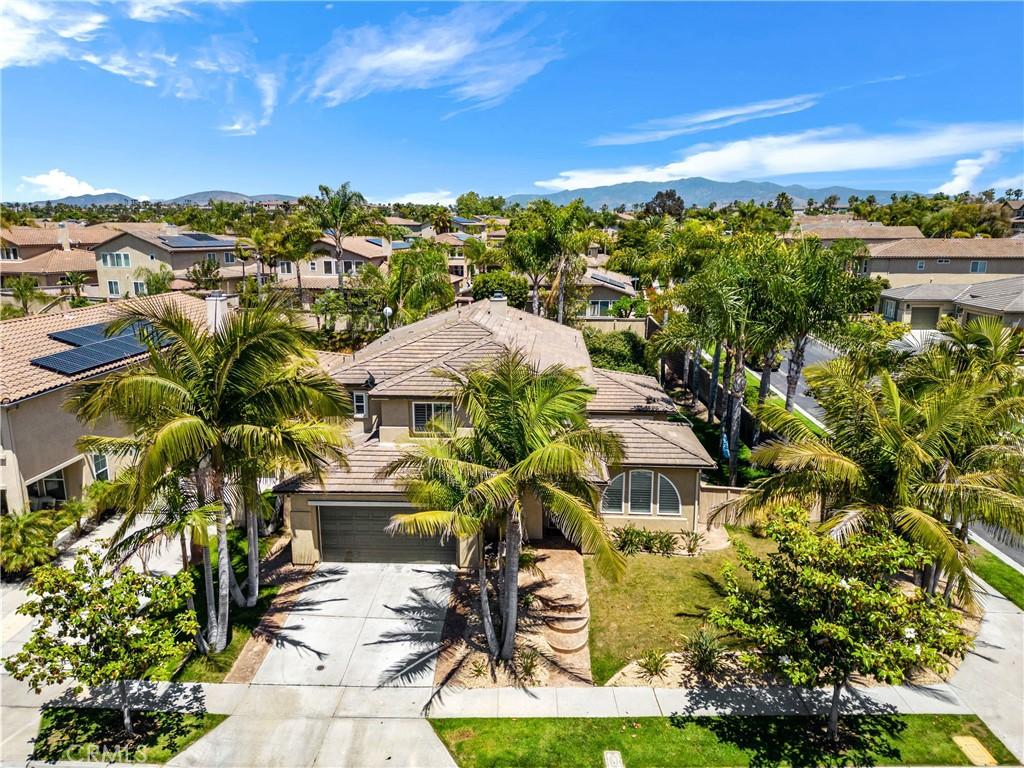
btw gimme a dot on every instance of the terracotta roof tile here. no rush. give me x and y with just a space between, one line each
360 476
953 248
625 393
83 236
657 443
54 261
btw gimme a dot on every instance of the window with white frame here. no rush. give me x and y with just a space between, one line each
100 468
284 267
113 288
889 309
116 259
138 288
229 257
668 497
329 267
920 265
9 253
349 266
979 267
358 405
641 491
611 499
211 256
942 261
425 413
599 308
312 266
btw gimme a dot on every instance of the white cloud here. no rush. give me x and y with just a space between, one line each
814 151
56 183
1007 182
157 10
35 33
243 125
437 197
966 173
267 84
667 127
463 51
140 70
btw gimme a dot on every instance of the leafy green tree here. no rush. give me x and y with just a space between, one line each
97 626
666 202
617 350
513 286
27 538
156 280
204 275
418 281
441 220
298 236
821 612
472 204
523 253
630 306
530 441
209 404
25 290
340 213
564 234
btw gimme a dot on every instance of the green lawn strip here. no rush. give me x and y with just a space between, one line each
1000 576
659 601
193 667
713 741
92 735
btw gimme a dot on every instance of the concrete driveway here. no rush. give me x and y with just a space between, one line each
362 624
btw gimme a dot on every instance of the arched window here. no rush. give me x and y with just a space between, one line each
641 491
668 497
611 499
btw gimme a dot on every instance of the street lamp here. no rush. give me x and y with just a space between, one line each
388 312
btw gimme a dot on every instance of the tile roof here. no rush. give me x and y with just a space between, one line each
365 460
26 338
952 248
310 282
399 221
926 292
329 361
54 261
463 334
657 443
86 236
625 393
174 239
1015 205
1005 295
596 276
360 246
856 230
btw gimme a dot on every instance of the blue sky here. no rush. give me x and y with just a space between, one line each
423 101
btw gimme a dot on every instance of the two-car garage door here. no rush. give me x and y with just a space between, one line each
356 534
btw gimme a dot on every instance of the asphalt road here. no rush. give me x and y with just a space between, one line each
1014 551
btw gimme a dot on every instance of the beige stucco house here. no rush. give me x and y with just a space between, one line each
40 465
830 228
396 393
923 305
23 243
954 261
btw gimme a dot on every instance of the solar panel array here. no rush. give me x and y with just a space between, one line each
92 349
607 280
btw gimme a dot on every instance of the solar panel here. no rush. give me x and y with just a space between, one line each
92 348
607 280
90 334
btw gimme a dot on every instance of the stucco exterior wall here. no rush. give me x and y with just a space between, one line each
687 483
145 254
902 272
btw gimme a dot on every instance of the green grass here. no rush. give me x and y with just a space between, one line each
1008 581
675 741
192 667
659 601
94 735
710 436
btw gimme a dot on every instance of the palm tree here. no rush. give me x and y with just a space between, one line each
918 462
25 290
441 220
27 540
210 403
530 441
296 244
418 281
343 212
76 281
565 234
523 254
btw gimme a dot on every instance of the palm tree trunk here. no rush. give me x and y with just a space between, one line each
686 365
211 600
713 383
224 572
727 381
126 711
793 370
510 592
485 608
561 292
298 281
339 240
190 603
536 295
252 534
762 392
739 386
833 714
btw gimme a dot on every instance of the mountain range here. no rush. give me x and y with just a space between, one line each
699 191
195 198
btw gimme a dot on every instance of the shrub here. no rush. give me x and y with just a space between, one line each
662 542
514 287
692 541
703 649
27 540
526 664
619 350
653 664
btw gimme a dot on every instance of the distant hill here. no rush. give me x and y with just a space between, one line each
202 198
698 191
83 201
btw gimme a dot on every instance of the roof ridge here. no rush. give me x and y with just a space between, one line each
395 380
643 424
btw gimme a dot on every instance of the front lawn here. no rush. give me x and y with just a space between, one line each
713 741
1008 581
94 735
658 602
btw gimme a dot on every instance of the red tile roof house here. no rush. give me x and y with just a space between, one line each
40 466
395 393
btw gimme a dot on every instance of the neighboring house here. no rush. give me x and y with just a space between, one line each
1016 214
411 226
396 393
472 225
23 243
922 305
606 287
869 232
956 260
120 257
50 267
357 250
41 356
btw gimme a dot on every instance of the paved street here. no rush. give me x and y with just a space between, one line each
816 353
